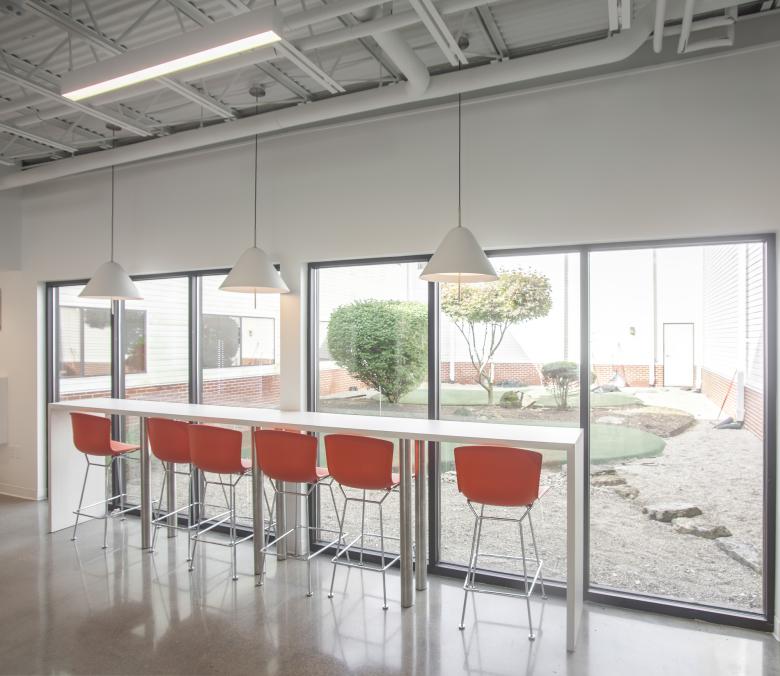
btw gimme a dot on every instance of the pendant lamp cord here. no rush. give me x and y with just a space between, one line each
255 207
256 173
113 173
460 163
460 181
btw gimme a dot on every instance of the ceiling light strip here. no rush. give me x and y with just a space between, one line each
219 40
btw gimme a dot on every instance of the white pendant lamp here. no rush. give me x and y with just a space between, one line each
110 281
254 272
459 259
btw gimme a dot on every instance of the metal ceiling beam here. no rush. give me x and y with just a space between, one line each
40 140
69 24
75 105
285 80
490 27
308 66
437 27
368 44
189 10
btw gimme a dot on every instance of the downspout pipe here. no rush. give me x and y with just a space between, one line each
609 50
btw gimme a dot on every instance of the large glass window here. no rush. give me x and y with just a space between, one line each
509 353
372 357
676 423
82 346
156 363
239 335
674 402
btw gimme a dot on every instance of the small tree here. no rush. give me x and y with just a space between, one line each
561 377
484 312
383 343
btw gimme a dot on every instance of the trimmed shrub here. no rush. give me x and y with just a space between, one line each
382 343
561 377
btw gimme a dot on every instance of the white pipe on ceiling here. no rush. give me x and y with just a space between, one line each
578 57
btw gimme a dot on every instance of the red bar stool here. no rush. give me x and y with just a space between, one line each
366 464
217 450
92 436
170 444
500 477
291 458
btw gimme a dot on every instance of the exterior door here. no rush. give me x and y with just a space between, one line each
678 355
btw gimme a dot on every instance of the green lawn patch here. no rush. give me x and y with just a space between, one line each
608 444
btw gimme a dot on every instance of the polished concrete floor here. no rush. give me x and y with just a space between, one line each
73 608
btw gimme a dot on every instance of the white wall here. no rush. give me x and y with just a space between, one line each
674 152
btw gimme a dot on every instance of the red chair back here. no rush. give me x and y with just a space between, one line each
497 475
216 449
287 456
91 433
360 462
169 439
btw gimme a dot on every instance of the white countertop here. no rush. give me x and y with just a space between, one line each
529 436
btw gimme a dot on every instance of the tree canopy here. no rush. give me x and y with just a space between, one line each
484 312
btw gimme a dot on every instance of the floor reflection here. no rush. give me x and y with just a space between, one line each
75 608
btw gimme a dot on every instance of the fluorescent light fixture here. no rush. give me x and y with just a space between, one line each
238 34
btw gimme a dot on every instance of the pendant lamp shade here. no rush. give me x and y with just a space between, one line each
111 282
459 259
254 273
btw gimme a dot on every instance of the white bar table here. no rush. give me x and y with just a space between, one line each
65 467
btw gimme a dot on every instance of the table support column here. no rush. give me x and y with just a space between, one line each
407 572
258 519
170 492
575 563
421 518
146 489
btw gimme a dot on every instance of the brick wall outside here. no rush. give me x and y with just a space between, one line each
715 386
635 375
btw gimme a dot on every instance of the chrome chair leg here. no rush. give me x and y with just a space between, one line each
382 547
338 546
165 467
362 527
109 467
472 569
536 554
462 626
233 531
81 500
531 636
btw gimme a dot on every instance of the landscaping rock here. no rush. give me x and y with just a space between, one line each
607 480
743 552
600 471
611 420
627 492
672 510
700 528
